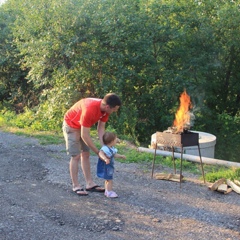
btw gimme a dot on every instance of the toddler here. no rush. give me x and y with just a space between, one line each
105 166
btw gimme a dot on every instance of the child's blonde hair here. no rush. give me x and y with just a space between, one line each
108 137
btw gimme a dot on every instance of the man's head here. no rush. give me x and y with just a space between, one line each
111 103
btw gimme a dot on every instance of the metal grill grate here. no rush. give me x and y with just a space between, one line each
185 139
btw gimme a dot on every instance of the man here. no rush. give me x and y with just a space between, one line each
76 130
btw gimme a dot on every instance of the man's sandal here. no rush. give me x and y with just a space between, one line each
80 192
95 188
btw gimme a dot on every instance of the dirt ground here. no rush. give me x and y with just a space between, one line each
37 202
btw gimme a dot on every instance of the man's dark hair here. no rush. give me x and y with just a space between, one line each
112 100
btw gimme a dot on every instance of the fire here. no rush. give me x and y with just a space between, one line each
182 117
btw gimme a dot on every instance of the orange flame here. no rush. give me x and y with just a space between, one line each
182 117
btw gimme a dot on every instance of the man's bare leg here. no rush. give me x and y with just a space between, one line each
73 168
86 168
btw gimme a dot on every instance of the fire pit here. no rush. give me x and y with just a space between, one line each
207 144
179 136
181 140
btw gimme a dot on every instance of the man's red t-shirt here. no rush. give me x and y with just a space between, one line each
85 112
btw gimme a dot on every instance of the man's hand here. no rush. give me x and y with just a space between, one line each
85 134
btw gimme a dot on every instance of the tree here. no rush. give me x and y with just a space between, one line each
147 52
13 85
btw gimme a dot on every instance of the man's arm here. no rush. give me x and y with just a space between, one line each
101 131
85 134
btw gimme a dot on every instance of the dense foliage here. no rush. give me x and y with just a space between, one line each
54 52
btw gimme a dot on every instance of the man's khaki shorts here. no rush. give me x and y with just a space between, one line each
74 143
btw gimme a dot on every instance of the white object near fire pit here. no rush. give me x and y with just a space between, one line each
207 144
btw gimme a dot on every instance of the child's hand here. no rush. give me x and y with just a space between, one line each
123 156
107 160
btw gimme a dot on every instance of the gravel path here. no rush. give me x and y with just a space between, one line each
37 202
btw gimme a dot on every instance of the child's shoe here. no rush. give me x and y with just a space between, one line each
110 194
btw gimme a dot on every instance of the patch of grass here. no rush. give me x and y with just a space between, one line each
44 137
49 139
133 156
231 173
22 124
